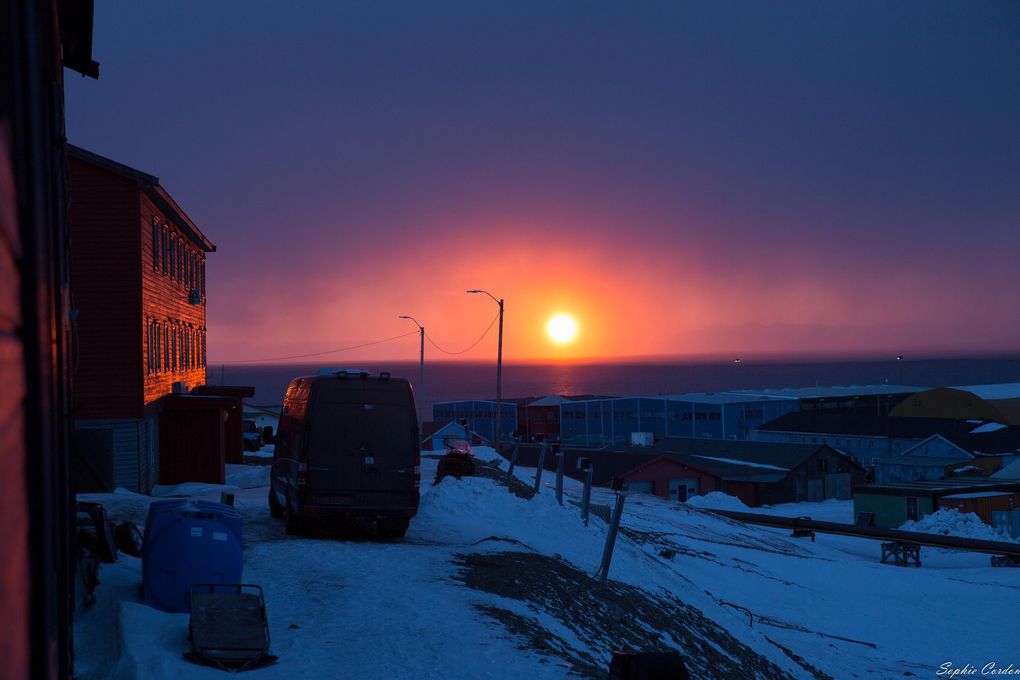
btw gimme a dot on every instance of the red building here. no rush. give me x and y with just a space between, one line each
139 299
671 478
540 418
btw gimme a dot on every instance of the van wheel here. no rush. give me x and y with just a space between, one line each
291 523
275 509
392 528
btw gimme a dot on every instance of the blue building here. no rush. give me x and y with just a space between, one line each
480 416
719 415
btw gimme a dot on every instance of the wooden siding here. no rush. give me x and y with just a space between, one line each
104 287
166 284
981 505
15 571
133 451
794 488
660 472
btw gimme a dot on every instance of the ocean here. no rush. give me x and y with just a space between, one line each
445 381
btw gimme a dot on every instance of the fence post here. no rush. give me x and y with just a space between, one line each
513 456
586 497
541 464
607 552
559 473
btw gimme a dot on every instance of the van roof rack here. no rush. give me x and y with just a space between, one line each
344 372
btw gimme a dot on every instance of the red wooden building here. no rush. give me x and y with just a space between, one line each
139 295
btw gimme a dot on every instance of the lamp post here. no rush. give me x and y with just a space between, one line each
421 373
499 364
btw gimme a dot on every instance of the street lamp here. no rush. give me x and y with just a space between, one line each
499 364
421 374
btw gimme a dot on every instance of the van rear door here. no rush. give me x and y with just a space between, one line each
361 448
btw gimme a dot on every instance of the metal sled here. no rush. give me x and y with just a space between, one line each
228 627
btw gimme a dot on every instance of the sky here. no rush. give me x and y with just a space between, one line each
684 179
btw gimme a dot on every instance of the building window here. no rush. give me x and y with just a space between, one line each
162 249
202 281
155 244
159 347
173 256
823 465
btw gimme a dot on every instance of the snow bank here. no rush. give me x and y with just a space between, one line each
717 500
248 476
952 522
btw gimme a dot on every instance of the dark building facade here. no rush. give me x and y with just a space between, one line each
758 473
138 285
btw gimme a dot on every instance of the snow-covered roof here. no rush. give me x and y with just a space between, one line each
1011 471
744 463
821 391
995 391
980 494
550 400
987 427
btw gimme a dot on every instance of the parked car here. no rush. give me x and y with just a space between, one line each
347 453
252 435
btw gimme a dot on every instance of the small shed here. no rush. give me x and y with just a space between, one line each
893 504
452 433
234 437
670 478
192 441
981 503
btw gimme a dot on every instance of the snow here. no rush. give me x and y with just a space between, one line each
735 461
831 510
987 427
980 494
967 468
952 522
716 500
993 391
363 609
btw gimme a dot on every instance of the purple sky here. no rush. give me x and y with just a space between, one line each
683 178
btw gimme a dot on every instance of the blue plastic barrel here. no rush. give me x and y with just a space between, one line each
188 542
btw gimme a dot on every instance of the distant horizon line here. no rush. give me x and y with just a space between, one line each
734 359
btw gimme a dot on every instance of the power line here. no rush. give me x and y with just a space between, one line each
472 346
319 354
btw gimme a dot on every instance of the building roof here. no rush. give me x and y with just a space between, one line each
722 397
733 459
995 391
549 400
866 425
1011 471
938 487
918 461
1004 441
778 394
150 185
821 391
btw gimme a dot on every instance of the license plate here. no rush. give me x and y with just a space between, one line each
335 499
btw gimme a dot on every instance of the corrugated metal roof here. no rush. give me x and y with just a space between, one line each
865 425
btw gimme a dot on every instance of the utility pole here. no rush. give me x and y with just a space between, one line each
499 366
421 375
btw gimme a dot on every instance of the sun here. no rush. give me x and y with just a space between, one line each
561 329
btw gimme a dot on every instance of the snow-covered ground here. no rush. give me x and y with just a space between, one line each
489 584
